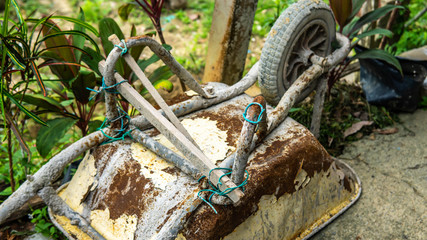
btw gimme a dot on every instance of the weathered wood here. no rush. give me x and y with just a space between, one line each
152 90
185 146
229 39
244 142
165 56
198 102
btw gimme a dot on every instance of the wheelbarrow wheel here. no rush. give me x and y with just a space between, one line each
305 28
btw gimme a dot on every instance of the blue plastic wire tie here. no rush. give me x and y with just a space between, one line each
259 116
104 87
215 189
124 49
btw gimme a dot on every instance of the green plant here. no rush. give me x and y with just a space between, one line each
21 50
43 224
350 25
344 107
266 14
412 30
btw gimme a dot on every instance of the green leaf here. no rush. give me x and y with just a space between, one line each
161 73
38 77
79 21
342 10
79 41
160 84
42 102
80 84
371 16
23 109
357 4
22 44
71 32
125 10
143 64
20 18
379 54
92 59
55 39
14 55
107 27
135 52
94 125
380 31
67 102
49 136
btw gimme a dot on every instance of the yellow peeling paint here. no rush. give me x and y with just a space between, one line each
152 166
71 229
305 209
77 189
122 228
211 139
180 237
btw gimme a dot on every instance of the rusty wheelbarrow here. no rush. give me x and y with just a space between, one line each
231 167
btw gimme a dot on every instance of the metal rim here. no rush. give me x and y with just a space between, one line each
313 39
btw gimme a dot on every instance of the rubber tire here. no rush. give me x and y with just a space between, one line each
281 39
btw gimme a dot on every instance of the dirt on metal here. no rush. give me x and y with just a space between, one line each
271 172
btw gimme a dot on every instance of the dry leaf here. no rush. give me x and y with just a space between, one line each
387 131
356 127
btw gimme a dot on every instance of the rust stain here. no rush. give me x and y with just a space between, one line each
102 154
272 172
227 120
128 192
177 99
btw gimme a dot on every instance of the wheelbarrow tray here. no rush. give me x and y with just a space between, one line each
294 188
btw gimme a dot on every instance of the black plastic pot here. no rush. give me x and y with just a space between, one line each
384 85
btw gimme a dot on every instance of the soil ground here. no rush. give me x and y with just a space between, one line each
392 168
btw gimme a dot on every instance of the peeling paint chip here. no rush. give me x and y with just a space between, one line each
122 228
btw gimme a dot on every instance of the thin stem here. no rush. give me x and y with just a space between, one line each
9 151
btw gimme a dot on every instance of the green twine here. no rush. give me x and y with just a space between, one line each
215 189
121 133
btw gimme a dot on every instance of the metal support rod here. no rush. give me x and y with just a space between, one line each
319 100
59 207
183 164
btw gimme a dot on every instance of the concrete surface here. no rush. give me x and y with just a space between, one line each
393 171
